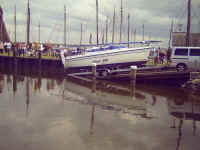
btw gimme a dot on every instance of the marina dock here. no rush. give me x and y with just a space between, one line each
144 74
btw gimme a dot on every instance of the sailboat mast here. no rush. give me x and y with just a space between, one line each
90 40
170 35
39 32
134 36
121 23
128 29
113 32
15 22
28 25
81 33
107 30
97 21
188 23
103 37
64 26
143 32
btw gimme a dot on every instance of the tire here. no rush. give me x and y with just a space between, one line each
106 73
181 67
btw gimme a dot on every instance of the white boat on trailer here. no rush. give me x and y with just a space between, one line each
107 58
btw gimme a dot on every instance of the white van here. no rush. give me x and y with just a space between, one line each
185 58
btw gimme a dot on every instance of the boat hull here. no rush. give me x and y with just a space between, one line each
116 58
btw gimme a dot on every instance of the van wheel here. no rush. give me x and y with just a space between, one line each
181 67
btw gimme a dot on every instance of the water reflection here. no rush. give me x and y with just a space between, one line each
110 111
182 110
27 96
1 82
15 80
105 100
92 120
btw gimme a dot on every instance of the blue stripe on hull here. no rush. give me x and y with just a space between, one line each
107 54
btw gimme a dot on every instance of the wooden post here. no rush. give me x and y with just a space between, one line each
133 80
94 77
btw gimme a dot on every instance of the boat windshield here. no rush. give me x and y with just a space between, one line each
110 47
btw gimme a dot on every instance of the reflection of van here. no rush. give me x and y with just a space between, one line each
184 58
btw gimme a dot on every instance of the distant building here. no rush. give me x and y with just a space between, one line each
179 39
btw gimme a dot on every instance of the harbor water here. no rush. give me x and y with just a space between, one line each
44 111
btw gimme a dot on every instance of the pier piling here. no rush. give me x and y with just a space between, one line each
94 72
133 80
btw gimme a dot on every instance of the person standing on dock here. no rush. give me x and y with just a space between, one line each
1 47
17 49
161 57
169 52
156 58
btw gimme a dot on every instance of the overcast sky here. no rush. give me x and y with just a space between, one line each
156 15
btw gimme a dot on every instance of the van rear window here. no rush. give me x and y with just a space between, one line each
194 52
181 51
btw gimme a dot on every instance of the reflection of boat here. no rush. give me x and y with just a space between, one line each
108 56
72 92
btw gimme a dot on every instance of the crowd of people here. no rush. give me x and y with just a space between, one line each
159 56
31 49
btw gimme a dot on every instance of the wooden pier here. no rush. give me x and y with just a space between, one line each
145 74
43 60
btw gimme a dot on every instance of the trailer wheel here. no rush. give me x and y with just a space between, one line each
105 73
181 67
